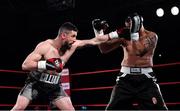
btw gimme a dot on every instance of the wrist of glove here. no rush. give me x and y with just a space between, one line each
113 35
134 36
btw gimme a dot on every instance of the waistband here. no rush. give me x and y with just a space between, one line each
50 79
136 71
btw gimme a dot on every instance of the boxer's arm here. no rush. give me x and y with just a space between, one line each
94 41
149 43
31 61
69 53
116 36
81 43
104 43
111 45
97 40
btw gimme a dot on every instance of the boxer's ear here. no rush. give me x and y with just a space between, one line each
63 36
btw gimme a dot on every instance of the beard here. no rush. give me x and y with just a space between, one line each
66 46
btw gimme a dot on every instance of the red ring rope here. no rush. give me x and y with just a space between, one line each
95 88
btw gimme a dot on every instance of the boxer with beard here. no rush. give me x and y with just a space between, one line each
45 64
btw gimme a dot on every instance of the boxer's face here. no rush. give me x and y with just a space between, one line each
69 38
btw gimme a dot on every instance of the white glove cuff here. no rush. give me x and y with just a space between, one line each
113 35
42 65
135 36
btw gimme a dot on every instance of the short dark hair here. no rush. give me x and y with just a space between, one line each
66 27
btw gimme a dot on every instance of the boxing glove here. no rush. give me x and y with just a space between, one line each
99 26
51 64
136 25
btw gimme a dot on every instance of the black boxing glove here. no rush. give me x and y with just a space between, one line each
120 33
99 26
136 25
51 64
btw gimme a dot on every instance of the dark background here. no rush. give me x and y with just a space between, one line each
24 23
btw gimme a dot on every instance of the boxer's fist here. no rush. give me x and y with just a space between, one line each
99 26
51 64
136 25
137 22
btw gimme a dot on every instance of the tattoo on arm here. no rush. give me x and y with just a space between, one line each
150 42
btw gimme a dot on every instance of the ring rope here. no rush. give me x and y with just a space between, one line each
110 87
167 103
79 105
94 88
94 72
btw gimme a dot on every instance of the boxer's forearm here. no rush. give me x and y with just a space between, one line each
102 38
97 40
29 65
94 41
67 55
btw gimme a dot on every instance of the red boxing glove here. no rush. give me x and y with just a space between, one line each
51 64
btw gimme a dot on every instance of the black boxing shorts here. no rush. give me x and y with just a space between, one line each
35 88
136 87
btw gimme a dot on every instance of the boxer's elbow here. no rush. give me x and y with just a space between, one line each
27 66
24 66
102 50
